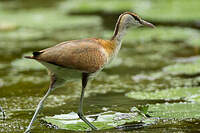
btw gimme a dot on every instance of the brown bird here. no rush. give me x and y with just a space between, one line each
84 58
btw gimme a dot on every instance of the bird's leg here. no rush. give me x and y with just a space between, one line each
39 106
3 113
80 110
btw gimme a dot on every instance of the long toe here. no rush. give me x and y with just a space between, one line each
94 128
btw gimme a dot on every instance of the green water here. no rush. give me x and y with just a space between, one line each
159 67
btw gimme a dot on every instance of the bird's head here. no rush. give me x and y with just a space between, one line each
129 19
126 20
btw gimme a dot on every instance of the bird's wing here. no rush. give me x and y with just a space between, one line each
86 55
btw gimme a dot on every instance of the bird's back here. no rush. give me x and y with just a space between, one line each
87 55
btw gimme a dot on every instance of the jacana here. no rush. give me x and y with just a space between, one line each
72 60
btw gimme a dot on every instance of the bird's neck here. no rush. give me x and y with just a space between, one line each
120 31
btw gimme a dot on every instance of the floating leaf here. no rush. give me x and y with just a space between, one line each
26 64
93 6
166 94
164 34
173 10
42 28
190 68
104 120
175 111
47 19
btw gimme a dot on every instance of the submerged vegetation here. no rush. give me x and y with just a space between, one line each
153 85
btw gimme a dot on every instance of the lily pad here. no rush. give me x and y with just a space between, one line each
160 114
177 111
43 24
172 10
102 121
26 64
93 6
42 28
47 19
170 34
167 94
188 68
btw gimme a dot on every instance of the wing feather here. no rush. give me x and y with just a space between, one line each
85 55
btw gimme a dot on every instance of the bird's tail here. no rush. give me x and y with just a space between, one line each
35 54
29 57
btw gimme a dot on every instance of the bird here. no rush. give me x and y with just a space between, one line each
3 113
82 59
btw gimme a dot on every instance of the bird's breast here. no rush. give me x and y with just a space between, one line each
111 49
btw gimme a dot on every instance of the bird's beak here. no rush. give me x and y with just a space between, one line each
145 23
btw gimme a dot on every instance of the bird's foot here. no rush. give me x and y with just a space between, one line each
82 117
94 128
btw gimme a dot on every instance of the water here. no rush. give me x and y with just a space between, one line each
139 67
